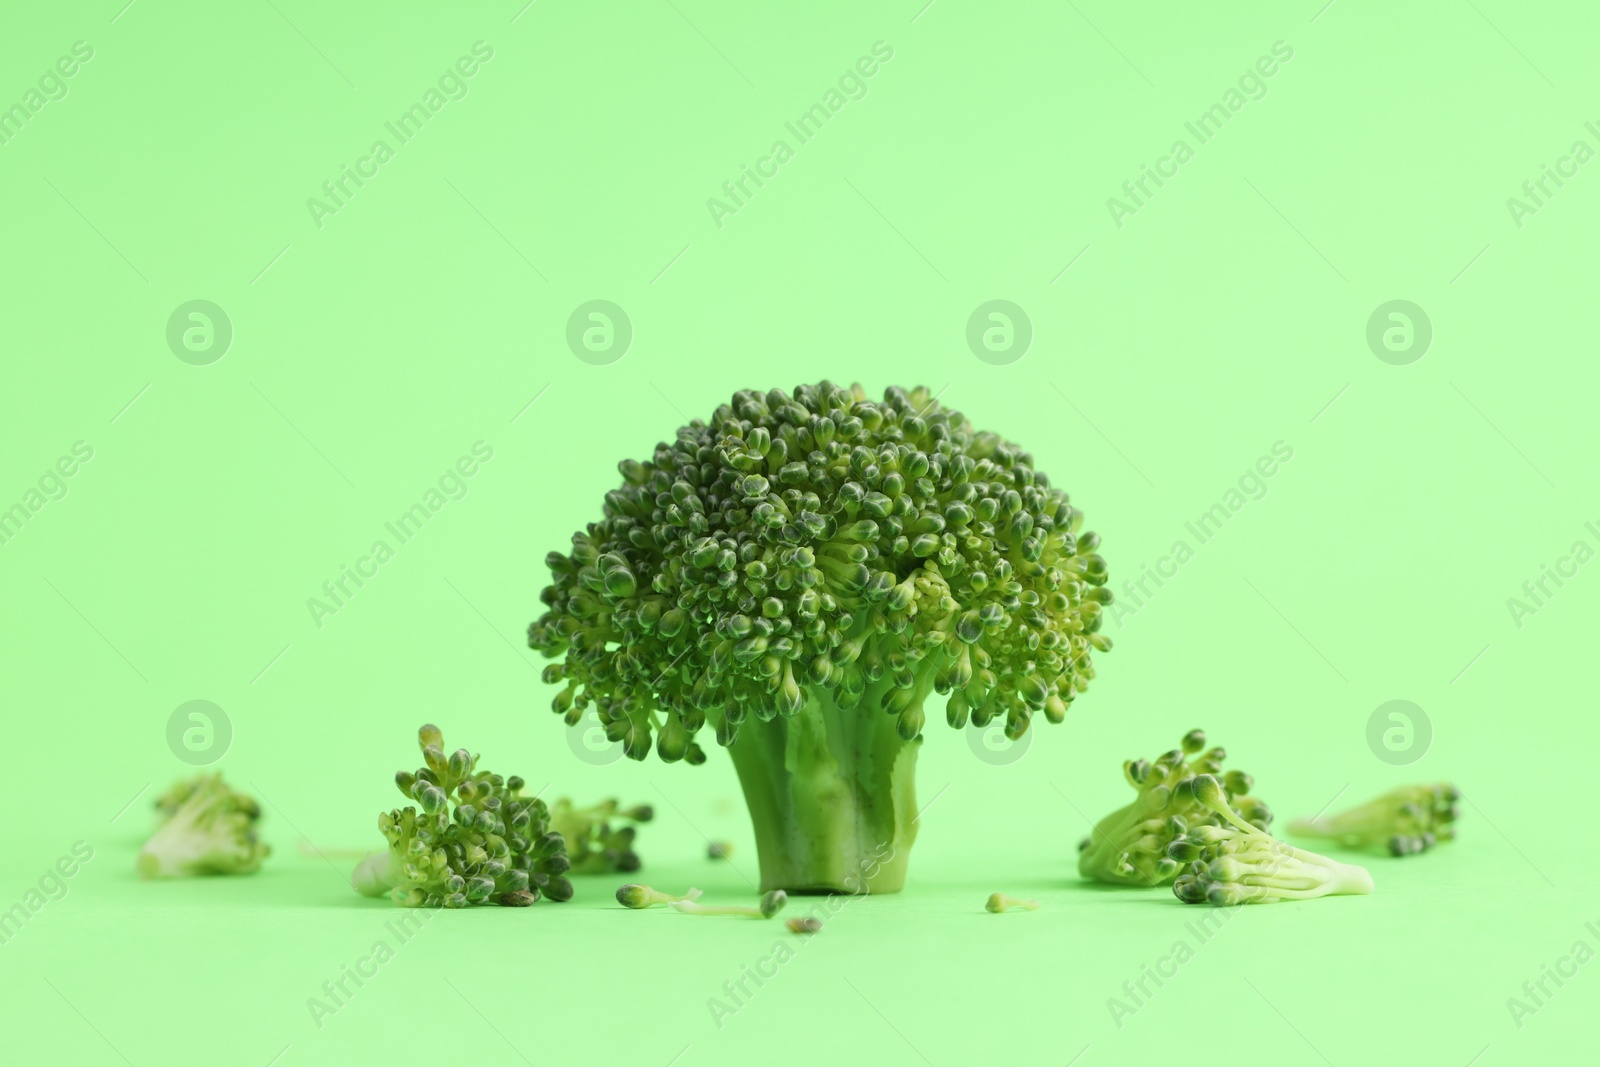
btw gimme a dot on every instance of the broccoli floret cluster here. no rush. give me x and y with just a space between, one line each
1129 846
1407 820
594 844
207 828
821 541
476 839
1240 863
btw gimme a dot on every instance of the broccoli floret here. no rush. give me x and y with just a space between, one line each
1407 820
477 839
800 573
594 845
1129 846
207 828
770 904
1240 863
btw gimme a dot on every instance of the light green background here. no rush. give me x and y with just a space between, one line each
1228 314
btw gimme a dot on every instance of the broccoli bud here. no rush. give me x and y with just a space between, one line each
1239 863
799 574
207 828
477 839
1129 846
1406 820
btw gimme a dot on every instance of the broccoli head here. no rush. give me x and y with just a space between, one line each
207 828
1129 846
594 845
1407 820
476 839
1240 863
800 573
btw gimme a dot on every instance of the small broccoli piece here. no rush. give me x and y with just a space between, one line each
1407 820
635 895
594 845
207 828
804 926
1239 863
1129 846
795 576
999 902
477 839
719 850
772 902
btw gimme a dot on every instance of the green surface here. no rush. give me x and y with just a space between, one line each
1227 313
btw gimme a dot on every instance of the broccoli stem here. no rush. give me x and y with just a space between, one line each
831 795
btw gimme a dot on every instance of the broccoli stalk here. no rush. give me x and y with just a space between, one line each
1407 820
477 839
1239 863
208 828
1129 846
800 574
593 845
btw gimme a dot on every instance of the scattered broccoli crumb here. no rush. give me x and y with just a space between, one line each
1129 846
772 902
635 895
1240 863
999 902
1406 820
594 845
719 850
804 926
477 839
207 828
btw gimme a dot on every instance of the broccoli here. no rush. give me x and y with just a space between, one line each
1000 902
801 572
207 828
593 845
1407 820
477 839
635 895
1240 863
770 904
1129 846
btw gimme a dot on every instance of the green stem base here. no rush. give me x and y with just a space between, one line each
832 797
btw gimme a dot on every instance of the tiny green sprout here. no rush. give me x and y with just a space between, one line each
635 895
804 926
772 902
1405 821
999 902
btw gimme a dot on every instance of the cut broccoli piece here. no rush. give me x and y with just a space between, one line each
800 573
635 895
207 828
1407 820
594 845
770 904
1239 863
999 902
1129 846
477 839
